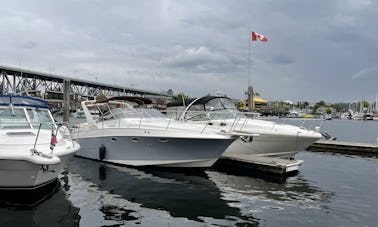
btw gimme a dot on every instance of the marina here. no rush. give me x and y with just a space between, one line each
178 113
92 193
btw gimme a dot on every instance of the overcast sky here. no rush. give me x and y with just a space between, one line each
316 50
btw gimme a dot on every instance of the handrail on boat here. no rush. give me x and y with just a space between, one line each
36 139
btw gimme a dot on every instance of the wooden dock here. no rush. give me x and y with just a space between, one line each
345 147
258 164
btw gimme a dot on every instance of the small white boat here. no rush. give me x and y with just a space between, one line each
32 148
145 137
273 140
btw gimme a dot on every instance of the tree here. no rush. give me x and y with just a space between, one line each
180 97
100 96
318 105
337 106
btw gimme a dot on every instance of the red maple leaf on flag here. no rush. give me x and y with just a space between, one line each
256 36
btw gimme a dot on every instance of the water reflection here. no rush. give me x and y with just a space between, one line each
254 195
47 206
119 195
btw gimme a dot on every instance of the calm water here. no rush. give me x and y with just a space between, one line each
330 190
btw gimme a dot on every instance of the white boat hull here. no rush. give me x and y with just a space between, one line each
155 151
33 149
258 137
270 145
20 169
19 174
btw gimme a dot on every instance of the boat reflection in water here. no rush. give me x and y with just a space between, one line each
259 195
115 195
45 206
112 195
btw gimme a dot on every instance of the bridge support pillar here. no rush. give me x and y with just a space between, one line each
66 100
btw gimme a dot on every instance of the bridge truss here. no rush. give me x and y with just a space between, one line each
16 80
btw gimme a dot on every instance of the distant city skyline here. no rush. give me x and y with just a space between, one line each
315 51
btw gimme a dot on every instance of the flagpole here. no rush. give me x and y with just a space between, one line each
249 56
250 88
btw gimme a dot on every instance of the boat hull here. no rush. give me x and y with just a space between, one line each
271 145
154 151
20 174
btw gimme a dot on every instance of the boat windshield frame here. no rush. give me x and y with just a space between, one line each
216 108
124 113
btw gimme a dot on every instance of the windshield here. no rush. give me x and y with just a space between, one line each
13 118
219 104
40 116
214 109
119 113
17 118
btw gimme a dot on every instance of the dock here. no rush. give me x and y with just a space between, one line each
344 147
258 164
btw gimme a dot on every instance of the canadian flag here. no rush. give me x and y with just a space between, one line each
257 36
53 139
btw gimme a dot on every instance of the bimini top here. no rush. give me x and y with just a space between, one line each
204 100
136 99
17 100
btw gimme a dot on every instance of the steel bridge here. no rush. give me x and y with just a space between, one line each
17 80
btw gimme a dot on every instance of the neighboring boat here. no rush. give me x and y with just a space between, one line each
133 136
273 140
33 149
79 113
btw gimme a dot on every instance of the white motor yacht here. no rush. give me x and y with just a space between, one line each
124 134
32 148
273 140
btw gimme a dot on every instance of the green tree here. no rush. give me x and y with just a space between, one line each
337 106
180 97
318 105
100 96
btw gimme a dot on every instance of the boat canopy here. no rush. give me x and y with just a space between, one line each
136 99
208 108
222 102
206 103
17 100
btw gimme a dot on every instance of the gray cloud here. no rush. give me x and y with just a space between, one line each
197 47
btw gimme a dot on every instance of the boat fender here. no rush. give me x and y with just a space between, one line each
101 152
